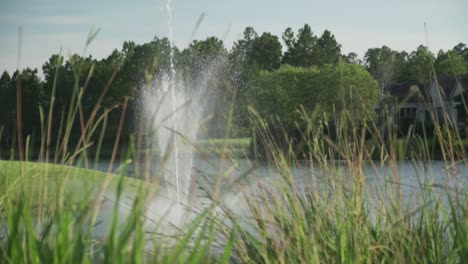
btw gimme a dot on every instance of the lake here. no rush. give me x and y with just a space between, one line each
244 178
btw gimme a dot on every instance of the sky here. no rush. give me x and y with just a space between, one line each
51 26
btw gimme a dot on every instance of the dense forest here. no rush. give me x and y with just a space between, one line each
273 74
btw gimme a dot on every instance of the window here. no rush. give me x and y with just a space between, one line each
407 112
461 114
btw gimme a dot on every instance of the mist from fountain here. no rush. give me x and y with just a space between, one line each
172 86
174 114
173 110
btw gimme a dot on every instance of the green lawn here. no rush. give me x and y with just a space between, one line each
236 147
229 141
41 181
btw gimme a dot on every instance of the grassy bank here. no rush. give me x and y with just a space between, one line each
37 179
233 147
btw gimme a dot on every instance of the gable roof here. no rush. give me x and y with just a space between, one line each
410 91
405 90
464 82
447 85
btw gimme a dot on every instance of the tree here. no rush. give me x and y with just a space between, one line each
7 109
72 77
241 71
242 49
63 81
128 49
383 64
87 77
143 61
401 66
203 65
330 88
288 38
300 48
101 75
352 58
420 63
206 50
266 52
327 50
6 95
33 98
461 50
240 58
200 58
450 63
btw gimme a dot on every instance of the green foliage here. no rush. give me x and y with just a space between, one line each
33 100
305 49
202 57
421 65
327 50
330 88
352 58
462 50
300 47
450 63
386 65
143 61
7 108
266 52
80 82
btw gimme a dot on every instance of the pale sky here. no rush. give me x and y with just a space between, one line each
53 25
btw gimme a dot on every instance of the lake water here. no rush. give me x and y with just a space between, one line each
411 175
241 178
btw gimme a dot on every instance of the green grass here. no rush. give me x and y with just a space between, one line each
237 142
40 184
234 147
337 224
35 178
464 142
50 214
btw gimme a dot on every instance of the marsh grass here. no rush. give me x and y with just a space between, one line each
49 212
347 219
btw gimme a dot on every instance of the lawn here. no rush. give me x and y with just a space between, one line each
41 182
236 147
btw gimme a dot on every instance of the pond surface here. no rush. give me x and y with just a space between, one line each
241 177
409 175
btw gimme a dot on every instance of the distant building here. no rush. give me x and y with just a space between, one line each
439 101
446 99
407 100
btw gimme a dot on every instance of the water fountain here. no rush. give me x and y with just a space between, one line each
173 112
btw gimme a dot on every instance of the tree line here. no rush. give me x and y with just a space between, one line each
273 74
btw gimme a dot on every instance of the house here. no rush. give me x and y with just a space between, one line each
440 101
407 100
447 101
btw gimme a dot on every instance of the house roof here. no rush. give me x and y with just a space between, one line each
464 82
405 90
447 84
409 91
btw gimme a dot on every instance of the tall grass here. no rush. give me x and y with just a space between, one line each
50 213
